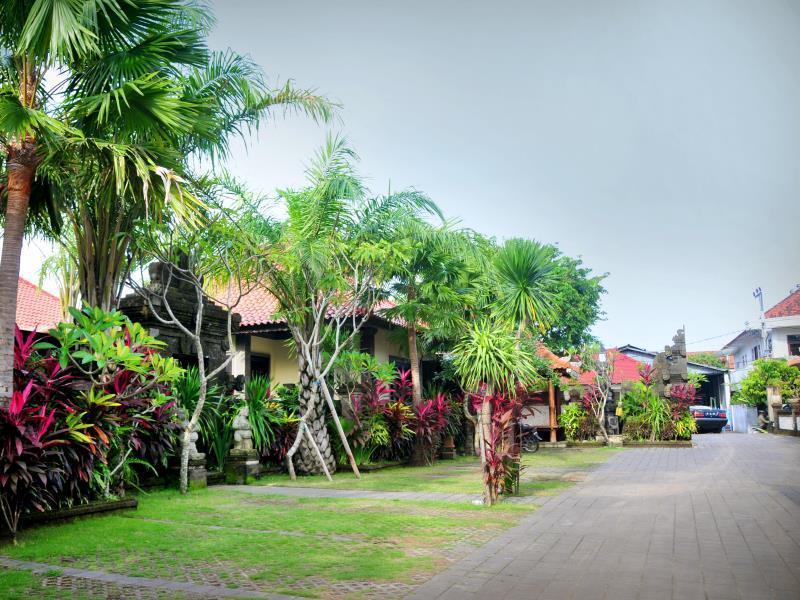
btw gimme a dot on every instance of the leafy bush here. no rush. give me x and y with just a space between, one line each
573 419
90 411
635 429
215 427
685 426
767 371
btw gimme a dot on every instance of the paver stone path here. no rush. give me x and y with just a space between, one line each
718 521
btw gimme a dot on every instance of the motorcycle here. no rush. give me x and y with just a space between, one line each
529 438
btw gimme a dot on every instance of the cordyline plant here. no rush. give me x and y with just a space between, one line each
492 366
90 408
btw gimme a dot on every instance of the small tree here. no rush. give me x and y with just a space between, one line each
492 365
599 391
326 264
212 261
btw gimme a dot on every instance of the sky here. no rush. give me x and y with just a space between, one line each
659 141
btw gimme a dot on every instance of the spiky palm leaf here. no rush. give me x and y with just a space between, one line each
524 274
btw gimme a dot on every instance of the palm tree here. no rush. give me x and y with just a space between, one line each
524 273
334 250
36 37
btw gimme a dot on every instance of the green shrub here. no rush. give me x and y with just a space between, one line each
657 416
573 419
767 371
635 429
685 426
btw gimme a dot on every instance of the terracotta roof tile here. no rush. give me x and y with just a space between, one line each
259 307
788 307
625 369
36 309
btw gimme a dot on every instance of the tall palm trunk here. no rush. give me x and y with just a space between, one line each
306 459
21 167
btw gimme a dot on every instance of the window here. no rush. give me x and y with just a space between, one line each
259 364
794 344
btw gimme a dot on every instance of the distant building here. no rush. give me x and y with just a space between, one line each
780 338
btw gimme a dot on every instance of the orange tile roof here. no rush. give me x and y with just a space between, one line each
259 307
788 307
36 309
555 362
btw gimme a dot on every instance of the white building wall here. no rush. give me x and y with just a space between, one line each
780 328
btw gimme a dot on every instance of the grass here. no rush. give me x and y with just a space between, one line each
462 475
278 543
299 546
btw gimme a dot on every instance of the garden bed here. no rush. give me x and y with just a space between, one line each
658 444
586 444
80 510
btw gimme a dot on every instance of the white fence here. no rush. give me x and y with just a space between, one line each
743 417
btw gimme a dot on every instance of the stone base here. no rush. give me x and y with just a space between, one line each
615 440
198 476
242 466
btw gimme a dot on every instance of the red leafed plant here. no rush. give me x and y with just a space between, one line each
431 419
501 466
682 396
27 468
90 404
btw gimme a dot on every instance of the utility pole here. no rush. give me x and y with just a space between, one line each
759 295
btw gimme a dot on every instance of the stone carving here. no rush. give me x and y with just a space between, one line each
198 475
242 464
182 297
671 365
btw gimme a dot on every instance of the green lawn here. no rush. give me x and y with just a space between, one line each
299 546
261 542
462 475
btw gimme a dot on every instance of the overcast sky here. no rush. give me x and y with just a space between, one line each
659 141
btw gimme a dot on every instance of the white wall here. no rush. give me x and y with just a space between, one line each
781 327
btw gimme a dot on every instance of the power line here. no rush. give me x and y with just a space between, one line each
714 337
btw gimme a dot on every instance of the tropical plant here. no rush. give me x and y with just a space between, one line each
685 426
42 117
430 421
524 275
656 416
765 372
90 413
492 365
636 430
571 419
264 413
697 379
26 457
215 426
325 268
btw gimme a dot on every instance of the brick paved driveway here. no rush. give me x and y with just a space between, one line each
718 521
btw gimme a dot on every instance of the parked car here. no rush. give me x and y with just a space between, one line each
709 419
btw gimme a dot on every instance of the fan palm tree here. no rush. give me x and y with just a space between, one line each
36 38
140 98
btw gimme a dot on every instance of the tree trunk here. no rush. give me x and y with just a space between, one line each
184 472
418 456
306 459
21 167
